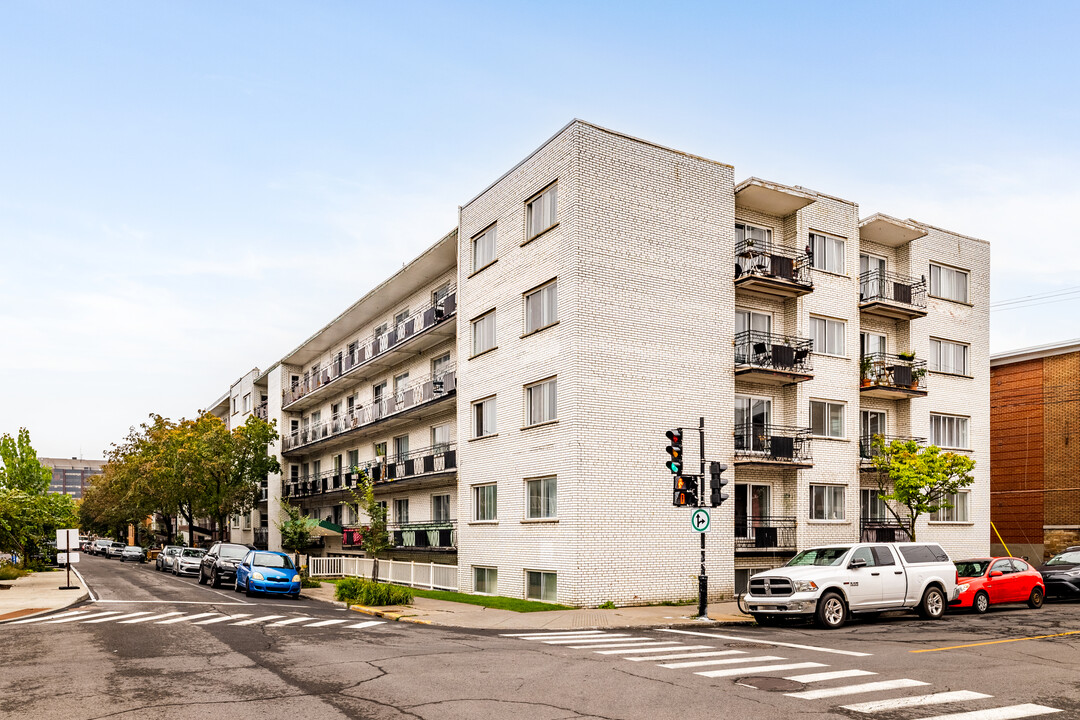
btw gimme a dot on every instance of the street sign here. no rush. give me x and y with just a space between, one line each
67 539
64 558
700 520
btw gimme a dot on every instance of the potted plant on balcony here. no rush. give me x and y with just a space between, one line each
908 355
865 365
917 375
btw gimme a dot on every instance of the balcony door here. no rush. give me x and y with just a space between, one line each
753 416
752 508
871 422
872 507
755 322
873 285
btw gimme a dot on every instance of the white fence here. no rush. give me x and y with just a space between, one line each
432 576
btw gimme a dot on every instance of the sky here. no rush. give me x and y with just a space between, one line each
188 190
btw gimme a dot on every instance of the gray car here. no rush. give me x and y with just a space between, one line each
188 561
134 553
166 557
114 550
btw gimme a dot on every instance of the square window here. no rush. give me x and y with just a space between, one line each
541 307
826 502
948 283
541 586
958 512
827 253
485 580
949 431
948 357
541 212
485 502
540 402
542 498
484 417
483 249
827 335
483 333
826 419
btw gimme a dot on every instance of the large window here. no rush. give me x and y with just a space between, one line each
440 508
440 438
752 418
540 586
440 365
828 335
541 307
485 580
401 511
827 253
948 357
948 283
485 502
949 431
540 402
542 497
959 510
401 448
759 237
483 333
483 249
484 417
541 212
826 419
870 343
871 506
826 502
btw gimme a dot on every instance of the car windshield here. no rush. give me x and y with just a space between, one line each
172 551
192 552
1067 558
118 545
233 552
971 568
271 560
819 556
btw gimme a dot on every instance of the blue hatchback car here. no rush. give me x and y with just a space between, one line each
267 572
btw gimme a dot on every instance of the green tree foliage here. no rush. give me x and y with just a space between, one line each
295 528
921 479
29 513
375 538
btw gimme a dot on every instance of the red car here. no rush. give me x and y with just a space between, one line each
983 582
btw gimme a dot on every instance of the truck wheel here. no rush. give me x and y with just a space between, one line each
932 605
831 611
981 602
1035 601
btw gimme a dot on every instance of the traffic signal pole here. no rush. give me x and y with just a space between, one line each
703 579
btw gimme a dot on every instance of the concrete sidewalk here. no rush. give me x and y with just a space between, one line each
39 593
452 614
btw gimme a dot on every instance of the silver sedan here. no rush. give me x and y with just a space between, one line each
188 561
166 557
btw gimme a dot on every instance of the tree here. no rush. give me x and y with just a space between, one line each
295 529
922 479
29 513
375 538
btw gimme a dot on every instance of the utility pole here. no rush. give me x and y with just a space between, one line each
703 579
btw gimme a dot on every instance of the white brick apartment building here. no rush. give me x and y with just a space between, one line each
603 291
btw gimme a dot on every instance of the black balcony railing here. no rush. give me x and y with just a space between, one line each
261 411
889 286
774 443
362 351
784 353
769 260
764 532
426 461
431 534
882 530
892 371
867 450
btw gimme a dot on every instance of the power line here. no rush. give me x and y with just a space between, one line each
1036 296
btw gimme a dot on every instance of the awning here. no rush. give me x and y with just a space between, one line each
322 528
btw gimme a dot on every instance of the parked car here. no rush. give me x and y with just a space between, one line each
990 581
187 562
100 546
219 564
115 549
133 553
267 572
165 558
831 583
1061 574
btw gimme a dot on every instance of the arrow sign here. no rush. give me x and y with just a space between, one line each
700 520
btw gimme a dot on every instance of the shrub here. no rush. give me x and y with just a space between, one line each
307 582
360 591
609 605
10 572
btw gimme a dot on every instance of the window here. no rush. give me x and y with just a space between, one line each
542 497
826 502
484 417
440 508
483 333
541 307
949 431
923 553
400 383
399 322
871 285
751 329
485 580
380 450
871 423
540 213
401 447
401 511
247 521
948 357
827 253
236 522
441 294
871 506
540 402
247 402
540 586
377 392
440 365
235 404
354 460
870 343
759 237
948 283
483 249
440 439
828 336
485 502
959 510
826 419
752 418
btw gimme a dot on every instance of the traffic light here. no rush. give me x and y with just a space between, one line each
686 492
675 450
717 483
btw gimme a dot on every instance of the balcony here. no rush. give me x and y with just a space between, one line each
892 377
261 411
867 451
430 535
893 296
764 534
882 530
427 462
423 329
402 404
765 445
772 270
763 357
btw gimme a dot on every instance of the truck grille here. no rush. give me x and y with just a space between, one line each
765 587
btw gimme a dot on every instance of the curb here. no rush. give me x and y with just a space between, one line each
85 596
387 615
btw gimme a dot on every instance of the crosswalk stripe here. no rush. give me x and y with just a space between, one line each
717 636
856 689
152 617
369 623
324 623
46 617
731 672
834 675
725 661
186 618
553 633
655 647
290 621
687 656
264 618
119 617
1012 712
916 701
607 638
646 644
223 619
81 616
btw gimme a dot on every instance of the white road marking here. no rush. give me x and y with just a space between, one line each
724 661
731 672
856 689
46 617
117 617
152 617
81 617
252 621
1011 712
324 623
715 636
686 656
639 649
553 633
609 638
916 701
186 618
84 584
369 623
170 602
622 645
290 621
834 675
223 619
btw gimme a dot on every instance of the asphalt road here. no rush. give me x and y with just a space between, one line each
155 646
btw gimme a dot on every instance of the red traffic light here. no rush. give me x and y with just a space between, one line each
675 436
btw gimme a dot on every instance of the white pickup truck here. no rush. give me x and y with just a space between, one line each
832 582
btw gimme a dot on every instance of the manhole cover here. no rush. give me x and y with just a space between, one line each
748 645
771 684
